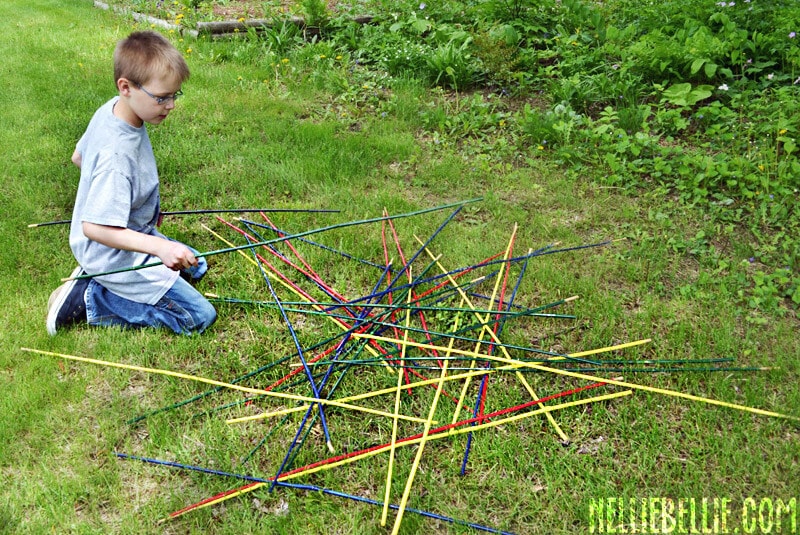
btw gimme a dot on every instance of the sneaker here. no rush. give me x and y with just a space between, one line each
66 304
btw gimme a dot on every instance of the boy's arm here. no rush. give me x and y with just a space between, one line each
76 158
174 255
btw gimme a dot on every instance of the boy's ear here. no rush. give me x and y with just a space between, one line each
124 86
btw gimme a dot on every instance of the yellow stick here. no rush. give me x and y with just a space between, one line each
483 320
465 429
444 434
407 491
274 277
553 423
258 391
457 377
595 378
387 493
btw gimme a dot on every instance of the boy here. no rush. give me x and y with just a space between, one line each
117 207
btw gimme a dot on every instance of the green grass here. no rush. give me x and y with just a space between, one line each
236 140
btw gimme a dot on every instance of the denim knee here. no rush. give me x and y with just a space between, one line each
205 315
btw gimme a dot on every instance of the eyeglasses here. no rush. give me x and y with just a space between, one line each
160 100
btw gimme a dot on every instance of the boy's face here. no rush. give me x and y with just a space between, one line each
150 102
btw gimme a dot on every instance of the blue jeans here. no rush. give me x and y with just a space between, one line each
182 309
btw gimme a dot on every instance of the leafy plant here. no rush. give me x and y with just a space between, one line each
315 12
685 95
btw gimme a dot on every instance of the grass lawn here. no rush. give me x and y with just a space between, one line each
283 136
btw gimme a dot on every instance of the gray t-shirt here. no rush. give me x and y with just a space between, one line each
118 188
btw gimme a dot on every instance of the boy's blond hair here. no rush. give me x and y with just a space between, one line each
144 55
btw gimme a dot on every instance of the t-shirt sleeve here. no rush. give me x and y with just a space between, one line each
80 146
110 194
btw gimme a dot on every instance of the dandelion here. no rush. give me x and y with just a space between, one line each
723 87
540 147
285 61
188 50
760 167
782 131
322 56
338 58
240 19
239 78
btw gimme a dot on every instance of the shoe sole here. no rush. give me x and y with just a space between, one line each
66 289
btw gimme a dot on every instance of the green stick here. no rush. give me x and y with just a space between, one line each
212 211
280 239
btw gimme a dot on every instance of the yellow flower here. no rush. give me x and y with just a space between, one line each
338 57
760 167
188 50
322 56
502 122
240 19
285 60
782 131
239 78
179 16
540 147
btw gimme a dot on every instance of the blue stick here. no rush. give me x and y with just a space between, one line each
314 488
313 384
485 378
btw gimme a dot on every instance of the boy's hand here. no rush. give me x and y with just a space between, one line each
177 256
174 255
